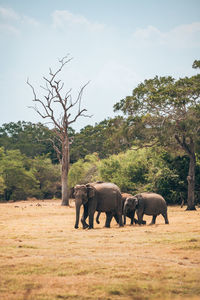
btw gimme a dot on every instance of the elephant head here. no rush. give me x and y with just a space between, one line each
130 205
82 194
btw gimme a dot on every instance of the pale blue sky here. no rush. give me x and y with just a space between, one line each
115 44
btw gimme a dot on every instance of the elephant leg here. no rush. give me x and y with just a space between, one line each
140 217
84 217
97 217
153 221
120 220
116 218
91 220
131 216
132 220
165 217
108 219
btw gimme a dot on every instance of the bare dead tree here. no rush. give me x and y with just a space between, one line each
47 106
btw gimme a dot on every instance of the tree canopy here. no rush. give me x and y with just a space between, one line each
168 111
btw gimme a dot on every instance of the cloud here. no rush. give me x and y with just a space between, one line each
61 18
8 14
12 23
183 36
30 21
8 29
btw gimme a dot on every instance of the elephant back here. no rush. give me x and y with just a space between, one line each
108 196
153 203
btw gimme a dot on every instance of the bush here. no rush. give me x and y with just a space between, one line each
84 170
151 169
19 182
22 177
48 176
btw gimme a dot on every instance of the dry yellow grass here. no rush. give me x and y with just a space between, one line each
43 257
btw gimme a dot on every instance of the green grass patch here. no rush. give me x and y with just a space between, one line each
33 269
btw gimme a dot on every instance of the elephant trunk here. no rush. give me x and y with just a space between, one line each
78 206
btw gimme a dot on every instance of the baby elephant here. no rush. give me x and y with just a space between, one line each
146 203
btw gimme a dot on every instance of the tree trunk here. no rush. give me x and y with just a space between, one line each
191 183
65 170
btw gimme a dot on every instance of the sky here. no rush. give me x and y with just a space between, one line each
115 45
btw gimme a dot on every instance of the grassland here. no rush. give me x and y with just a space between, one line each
42 256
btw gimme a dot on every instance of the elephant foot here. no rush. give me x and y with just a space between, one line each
107 226
141 223
152 223
85 226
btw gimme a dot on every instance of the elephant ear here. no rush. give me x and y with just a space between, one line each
90 191
138 199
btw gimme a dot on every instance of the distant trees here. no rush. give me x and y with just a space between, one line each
18 180
22 177
57 107
47 175
31 139
105 138
148 169
167 112
84 170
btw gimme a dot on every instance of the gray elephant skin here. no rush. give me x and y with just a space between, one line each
146 203
101 197
130 214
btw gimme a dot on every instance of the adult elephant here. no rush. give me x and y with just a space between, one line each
129 214
146 203
101 197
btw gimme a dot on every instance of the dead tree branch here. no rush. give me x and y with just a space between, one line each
55 105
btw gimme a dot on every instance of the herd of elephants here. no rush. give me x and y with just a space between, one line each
106 197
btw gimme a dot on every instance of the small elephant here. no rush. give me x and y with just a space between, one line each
101 197
146 203
130 214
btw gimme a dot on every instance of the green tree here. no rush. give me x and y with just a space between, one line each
84 170
2 182
105 138
2 185
90 139
169 114
128 170
48 176
19 181
31 139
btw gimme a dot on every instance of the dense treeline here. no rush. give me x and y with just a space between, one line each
155 146
149 169
30 171
22 177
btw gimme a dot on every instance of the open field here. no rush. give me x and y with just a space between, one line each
43 257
